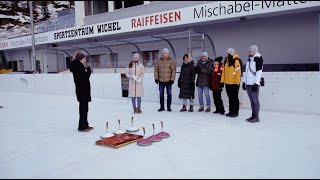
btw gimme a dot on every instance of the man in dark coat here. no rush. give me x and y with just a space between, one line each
81 74
186 82
204 70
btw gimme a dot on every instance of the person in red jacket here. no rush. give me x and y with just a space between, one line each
214 85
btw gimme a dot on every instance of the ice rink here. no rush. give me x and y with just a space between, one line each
39 139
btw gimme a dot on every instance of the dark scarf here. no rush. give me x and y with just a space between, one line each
131 63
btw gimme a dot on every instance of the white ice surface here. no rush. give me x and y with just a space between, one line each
39 139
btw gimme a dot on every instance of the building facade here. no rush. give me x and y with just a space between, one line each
286 32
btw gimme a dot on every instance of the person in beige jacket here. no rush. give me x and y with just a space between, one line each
135 73
164 75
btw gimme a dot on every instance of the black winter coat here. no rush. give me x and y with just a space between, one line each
186 81
81 80
204 72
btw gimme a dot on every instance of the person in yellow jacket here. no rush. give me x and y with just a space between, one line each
231 75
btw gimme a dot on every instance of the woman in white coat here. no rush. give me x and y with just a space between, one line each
135 73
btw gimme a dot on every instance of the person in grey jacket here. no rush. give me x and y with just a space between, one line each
204 70
251 81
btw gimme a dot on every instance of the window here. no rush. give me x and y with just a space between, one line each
149 57
126 4
114 61
132 3
98 61
13 65
96 7
117 4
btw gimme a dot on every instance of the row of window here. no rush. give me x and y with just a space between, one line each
98 7
101 61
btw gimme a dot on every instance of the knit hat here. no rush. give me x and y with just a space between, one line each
78 56
254 49
205 54
165 50
230 51
136 55
218 59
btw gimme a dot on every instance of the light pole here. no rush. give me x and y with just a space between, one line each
33 56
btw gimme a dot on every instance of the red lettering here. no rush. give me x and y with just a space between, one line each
139 23
133 23
165 18
147 20
156 19
171 17
177 16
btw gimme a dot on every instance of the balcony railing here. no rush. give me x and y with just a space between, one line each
53 24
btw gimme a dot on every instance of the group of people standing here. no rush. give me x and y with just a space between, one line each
209 74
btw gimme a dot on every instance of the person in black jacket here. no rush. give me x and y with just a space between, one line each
81 76
186 82
204 70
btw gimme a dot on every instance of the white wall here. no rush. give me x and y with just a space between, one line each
286 92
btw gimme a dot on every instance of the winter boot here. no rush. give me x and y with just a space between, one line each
234 115
135 110
139 111
169 100
216 112
183 108
208 109
254 120
250 118
191 108
201 109
161 109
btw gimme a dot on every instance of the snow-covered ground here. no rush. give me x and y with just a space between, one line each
39 139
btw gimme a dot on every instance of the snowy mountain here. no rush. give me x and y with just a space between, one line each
16 13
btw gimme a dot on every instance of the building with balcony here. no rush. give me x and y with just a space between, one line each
286 32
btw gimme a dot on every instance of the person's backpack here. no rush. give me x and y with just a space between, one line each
241 68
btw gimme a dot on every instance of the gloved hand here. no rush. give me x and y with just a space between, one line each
244 86
171 82
157 81
220 89
136 78
221 85
255 88
89 70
